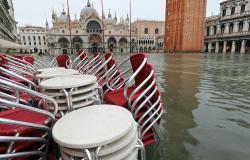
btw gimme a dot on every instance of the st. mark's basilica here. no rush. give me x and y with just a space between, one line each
86 32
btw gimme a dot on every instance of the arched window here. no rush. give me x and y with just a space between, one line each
242 8
208 28
224 12
93 26
63 31
222 28
146 30
215 30
231 28
156 31
233 11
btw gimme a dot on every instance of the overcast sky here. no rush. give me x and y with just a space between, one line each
34 12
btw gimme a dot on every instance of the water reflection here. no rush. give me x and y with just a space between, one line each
182 77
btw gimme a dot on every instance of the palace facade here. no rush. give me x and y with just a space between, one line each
86 33
229 32
149 35
34 39
8 29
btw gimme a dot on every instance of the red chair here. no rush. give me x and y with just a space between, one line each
29 59
81 60
63 61
25 130
120 96
88 67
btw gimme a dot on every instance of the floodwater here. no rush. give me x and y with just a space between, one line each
207 106
207 103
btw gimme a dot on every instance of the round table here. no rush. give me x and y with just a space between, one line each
64 82
57 73
71 92
92 126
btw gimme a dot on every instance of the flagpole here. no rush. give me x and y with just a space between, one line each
130 32
70 34
103 27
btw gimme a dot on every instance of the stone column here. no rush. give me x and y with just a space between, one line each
226 28
209 47
225 47
217 47
233 47
246 26
211 30
218 29
236 27
243 46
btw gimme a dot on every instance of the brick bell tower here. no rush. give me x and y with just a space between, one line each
184 25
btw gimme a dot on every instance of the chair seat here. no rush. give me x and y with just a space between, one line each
20 115
117 97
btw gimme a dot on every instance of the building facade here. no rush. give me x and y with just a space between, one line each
87 33
34 39
149 35
184 28
229 32
8 29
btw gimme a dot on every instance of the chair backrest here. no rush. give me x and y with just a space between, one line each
18 57
62 60
25 131
112 62
138 62
29 59
3 60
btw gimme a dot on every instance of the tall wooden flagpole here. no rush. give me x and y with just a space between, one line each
70 34
103 27
130 27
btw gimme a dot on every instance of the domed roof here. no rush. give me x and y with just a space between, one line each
88 10
63 17
109 20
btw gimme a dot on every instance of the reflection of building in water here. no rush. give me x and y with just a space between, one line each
230 30
182 78
87 33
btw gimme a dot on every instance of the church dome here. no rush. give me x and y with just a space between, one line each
63 17
88 10
109 20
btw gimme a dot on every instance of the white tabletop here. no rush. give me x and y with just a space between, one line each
58 73
113 147
92 126
64 82
50 69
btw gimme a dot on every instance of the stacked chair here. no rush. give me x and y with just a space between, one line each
28 112
25 128
139 94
